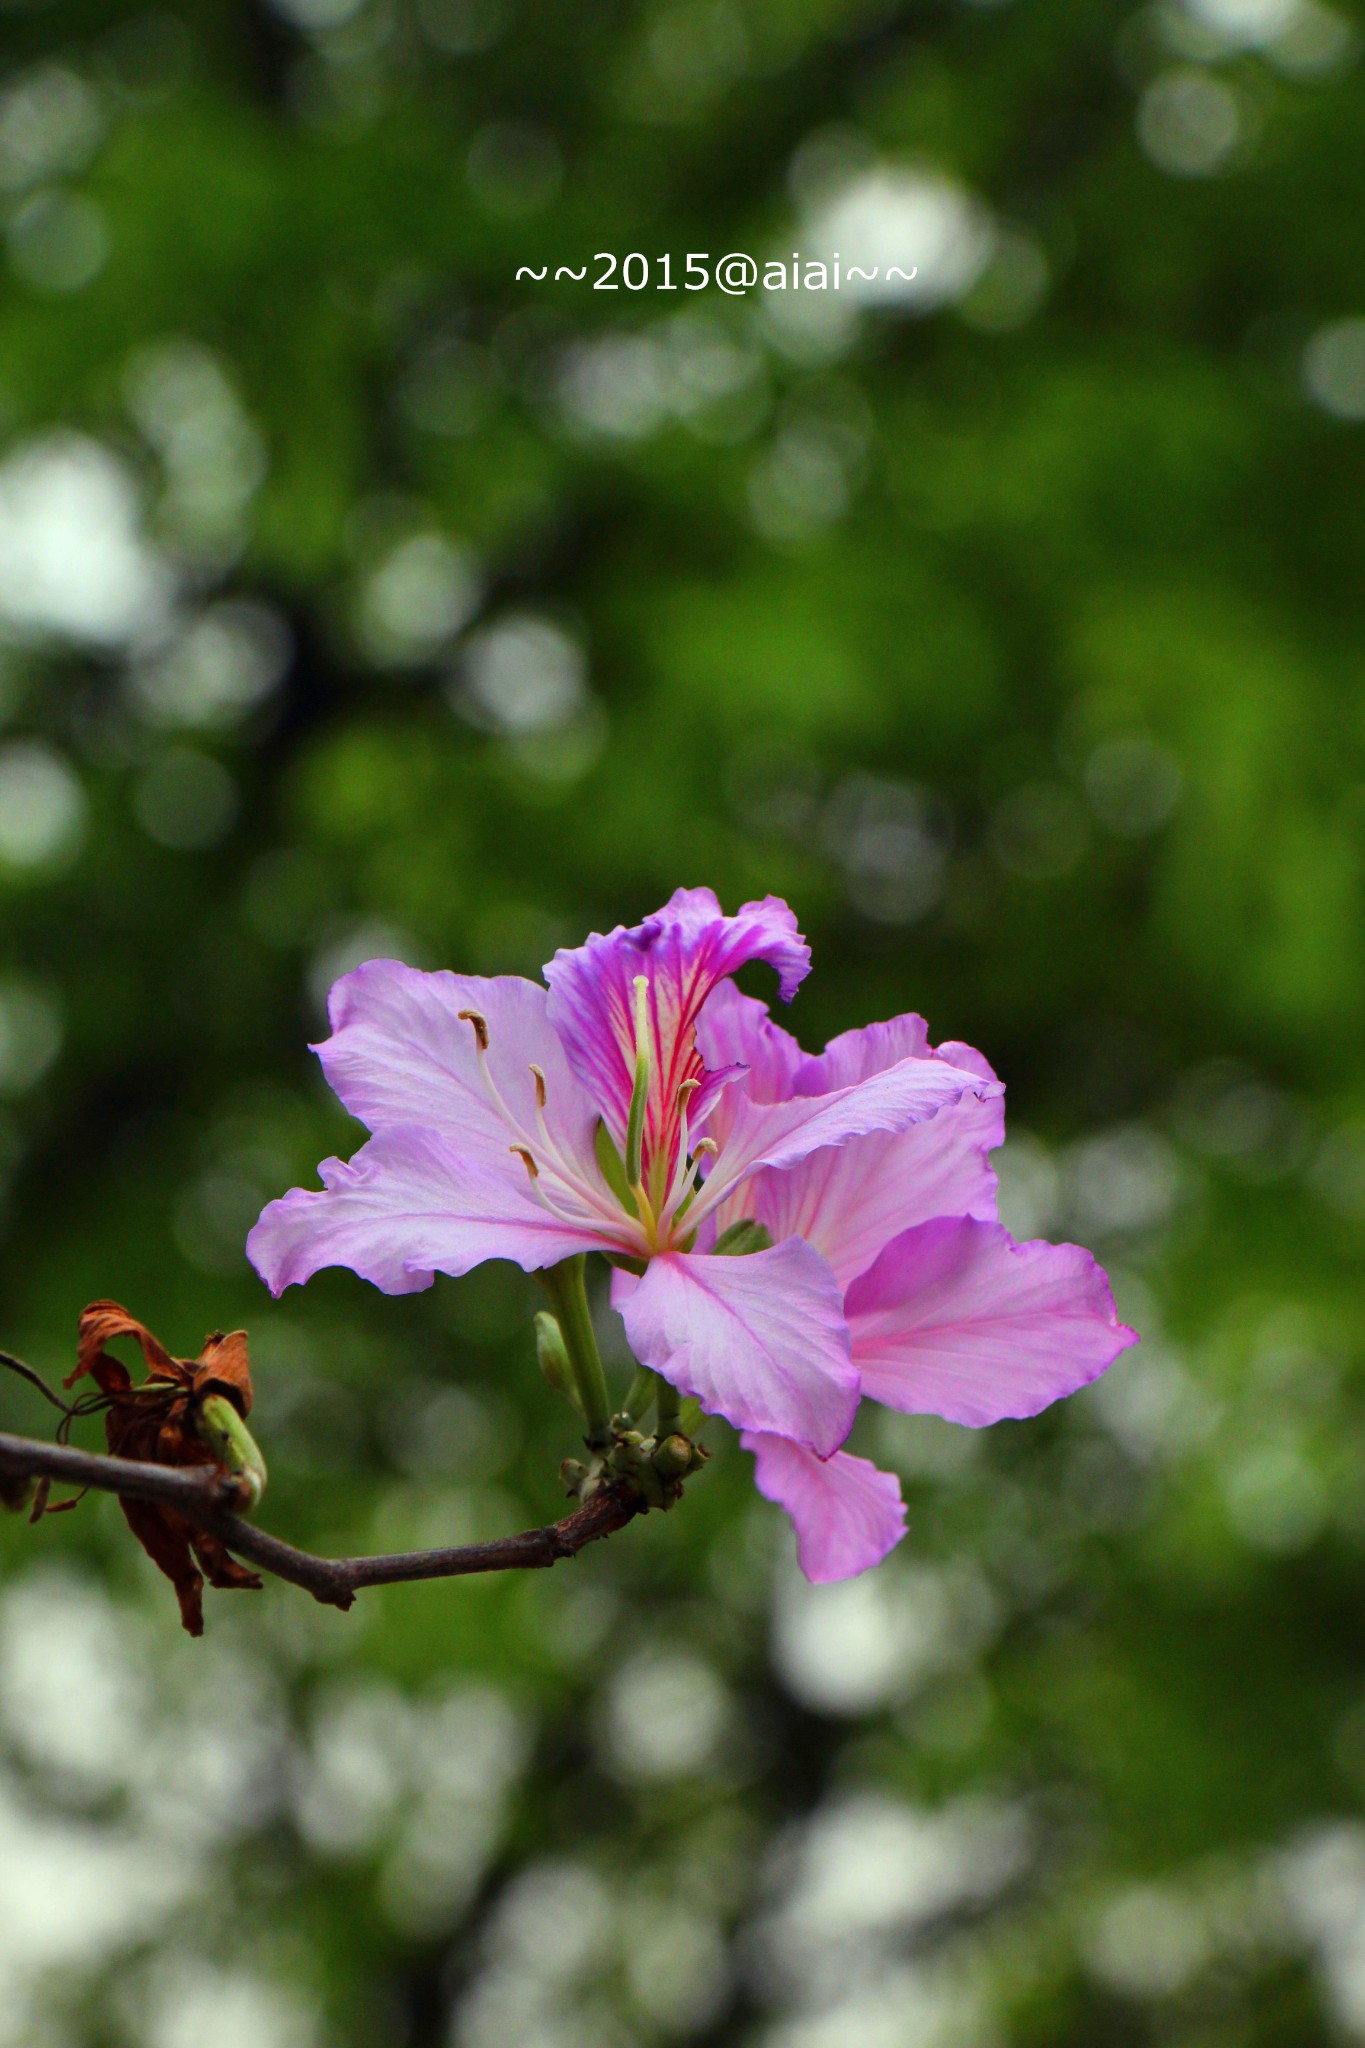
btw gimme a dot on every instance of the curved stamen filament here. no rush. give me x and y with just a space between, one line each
705 1148
682 1171
571 1213
593 1212
707 1197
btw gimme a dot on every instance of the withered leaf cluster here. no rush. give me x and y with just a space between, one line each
155 1422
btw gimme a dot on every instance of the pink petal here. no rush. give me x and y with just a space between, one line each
404 1209
735 1030
684 950
955 1319
400 1055
846 1513
760 1340
850 1200
782 1134
854 1055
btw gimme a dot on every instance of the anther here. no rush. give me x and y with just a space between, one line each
539 1073
686 1090
527 1159
706 1145
480 1023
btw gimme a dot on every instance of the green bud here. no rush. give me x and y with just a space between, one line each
742 1237
573 1472
218 1424
627 1454
553 1356
673 1458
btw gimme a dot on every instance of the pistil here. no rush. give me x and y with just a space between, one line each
639 1094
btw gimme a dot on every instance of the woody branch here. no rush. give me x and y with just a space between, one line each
207 1498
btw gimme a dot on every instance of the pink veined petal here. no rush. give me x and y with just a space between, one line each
401 1055
735 1030
870 1049
847 1515
850 1200
404 1209
781 1134
955 1319
760 1340
684 950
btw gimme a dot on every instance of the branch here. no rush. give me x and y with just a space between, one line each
207 1498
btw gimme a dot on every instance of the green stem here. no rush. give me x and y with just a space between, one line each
569 1294
641 1393
667 1404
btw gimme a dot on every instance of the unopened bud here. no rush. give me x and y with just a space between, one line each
218 1424
572 1473
553 1356
673 1458
627 1453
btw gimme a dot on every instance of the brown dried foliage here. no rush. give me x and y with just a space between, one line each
155 1422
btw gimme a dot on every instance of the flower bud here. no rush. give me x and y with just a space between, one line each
218 1423
572 1473
553 1357
673 1458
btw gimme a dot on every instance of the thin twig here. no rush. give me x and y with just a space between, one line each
207 1498
35 1379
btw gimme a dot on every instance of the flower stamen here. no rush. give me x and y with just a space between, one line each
480 1023
682 1173
705 1148
573 1183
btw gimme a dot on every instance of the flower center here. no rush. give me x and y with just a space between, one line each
642 1203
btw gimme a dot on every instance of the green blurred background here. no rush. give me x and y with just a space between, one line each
358 598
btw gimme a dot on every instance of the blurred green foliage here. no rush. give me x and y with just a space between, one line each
360 598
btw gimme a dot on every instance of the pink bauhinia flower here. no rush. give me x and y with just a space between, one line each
946 1314
640 1107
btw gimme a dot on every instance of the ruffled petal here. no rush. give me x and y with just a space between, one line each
851 1200
782 1134
847 1515
871 1049
401 1056
404 1209
684 951
955 1319
760 1340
